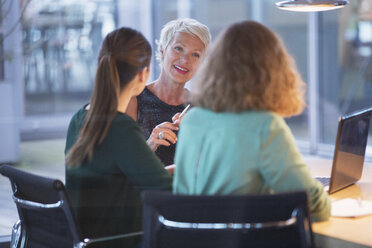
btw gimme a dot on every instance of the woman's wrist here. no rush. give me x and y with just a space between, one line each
152 146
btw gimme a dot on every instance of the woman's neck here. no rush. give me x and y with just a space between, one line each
123 100
169 92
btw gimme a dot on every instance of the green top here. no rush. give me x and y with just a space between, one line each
242 153
105 192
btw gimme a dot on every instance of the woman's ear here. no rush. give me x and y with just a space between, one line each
144 74
162 54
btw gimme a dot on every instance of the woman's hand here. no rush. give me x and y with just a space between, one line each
177 118
162 135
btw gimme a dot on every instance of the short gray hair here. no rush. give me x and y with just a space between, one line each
185 25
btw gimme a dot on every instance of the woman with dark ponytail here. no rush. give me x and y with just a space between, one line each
107 159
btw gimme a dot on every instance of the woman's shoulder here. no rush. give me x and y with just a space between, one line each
145 91
147 99
271 117
149 103
246 115
266 119
197 113
123 128
146 95
125 124
79 115
243 120
124 120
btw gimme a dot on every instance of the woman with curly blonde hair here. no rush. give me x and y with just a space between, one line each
235 140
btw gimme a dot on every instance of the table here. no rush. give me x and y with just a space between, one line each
347 232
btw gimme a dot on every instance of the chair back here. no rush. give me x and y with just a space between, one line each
279 220
43 208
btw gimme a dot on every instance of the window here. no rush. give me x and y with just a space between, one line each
294 34
61 39
60 42
345 60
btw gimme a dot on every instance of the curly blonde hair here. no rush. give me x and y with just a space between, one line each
248 68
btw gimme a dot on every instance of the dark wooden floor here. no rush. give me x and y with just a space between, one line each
45 158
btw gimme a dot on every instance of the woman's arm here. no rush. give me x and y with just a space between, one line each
136 160
168 137
284 170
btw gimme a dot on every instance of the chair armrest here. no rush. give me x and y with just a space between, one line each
186 225
32 204
88 241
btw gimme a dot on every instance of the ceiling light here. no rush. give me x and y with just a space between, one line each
311 5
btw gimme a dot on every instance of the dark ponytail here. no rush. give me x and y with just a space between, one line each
124 53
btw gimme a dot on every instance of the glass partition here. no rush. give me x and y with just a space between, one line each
294 34
345 83
60 44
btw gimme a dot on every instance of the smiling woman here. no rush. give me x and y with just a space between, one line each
182 57
181 48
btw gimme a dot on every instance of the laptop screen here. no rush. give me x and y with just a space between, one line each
350 149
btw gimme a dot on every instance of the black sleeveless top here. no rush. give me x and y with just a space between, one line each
151 112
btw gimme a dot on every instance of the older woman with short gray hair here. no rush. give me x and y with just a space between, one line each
181 48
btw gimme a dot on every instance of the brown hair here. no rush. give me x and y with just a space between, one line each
248 68
124 53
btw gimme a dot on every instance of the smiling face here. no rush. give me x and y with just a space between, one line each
182 57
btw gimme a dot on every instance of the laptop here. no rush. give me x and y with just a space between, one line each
350 149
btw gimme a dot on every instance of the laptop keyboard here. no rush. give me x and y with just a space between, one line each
324 180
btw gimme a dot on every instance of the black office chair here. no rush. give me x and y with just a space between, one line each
279 220
46 218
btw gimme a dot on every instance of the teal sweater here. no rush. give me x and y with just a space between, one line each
246 153
105 192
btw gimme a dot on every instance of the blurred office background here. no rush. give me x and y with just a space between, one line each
48 51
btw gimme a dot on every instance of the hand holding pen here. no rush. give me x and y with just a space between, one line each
164 134
178 117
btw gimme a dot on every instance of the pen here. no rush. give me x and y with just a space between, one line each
183 112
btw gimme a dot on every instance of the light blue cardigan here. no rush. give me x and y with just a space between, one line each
242 153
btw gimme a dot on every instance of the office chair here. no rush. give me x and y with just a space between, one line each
279 220
46 218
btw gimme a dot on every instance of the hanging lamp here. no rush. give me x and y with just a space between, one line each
311 5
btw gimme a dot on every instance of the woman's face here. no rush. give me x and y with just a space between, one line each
182 57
